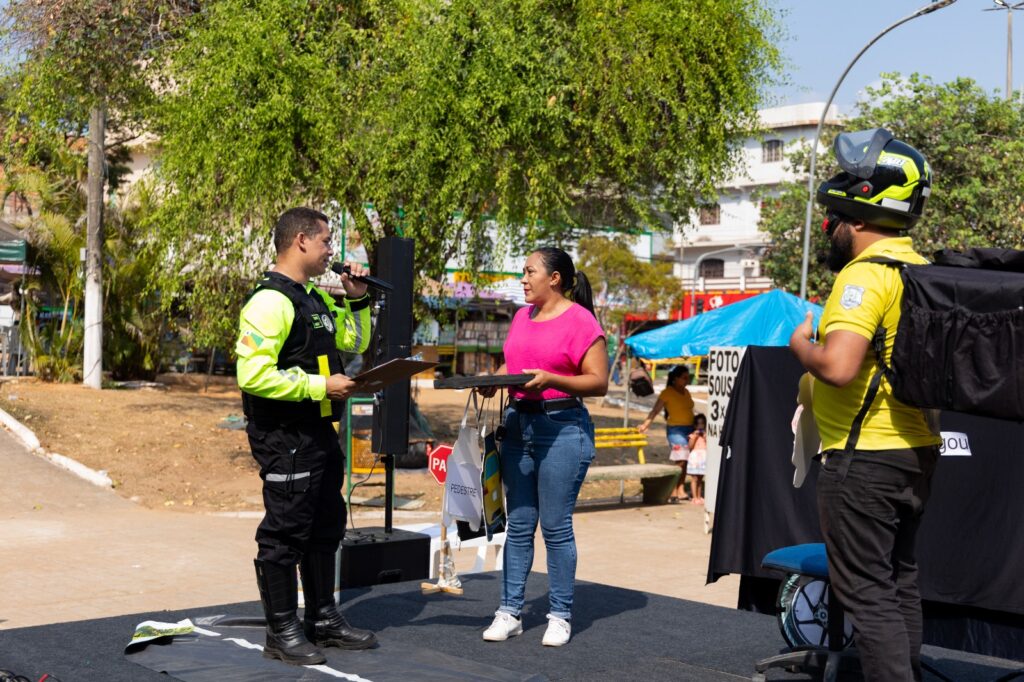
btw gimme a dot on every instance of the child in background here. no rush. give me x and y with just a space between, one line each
698 458
678 406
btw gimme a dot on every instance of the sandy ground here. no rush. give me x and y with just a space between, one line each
165 447
165 451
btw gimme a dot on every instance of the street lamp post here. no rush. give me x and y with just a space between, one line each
927 9
1004 6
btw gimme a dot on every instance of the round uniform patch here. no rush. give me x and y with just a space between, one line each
852 296
328 322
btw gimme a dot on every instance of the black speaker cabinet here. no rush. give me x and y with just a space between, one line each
395 257
369 556
393 340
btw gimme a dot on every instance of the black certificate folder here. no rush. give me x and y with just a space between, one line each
483 380
390 372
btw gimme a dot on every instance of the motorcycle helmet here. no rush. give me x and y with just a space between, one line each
883 181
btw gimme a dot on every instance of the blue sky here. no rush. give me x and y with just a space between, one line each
959 40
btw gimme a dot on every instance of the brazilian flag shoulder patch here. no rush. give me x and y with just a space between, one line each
252 340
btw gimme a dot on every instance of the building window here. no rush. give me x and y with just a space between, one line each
712 268
710 214
771 151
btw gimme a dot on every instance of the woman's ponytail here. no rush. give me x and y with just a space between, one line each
582 293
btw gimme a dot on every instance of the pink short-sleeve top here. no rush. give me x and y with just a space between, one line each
556 345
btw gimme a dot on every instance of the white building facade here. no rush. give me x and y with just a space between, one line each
717 254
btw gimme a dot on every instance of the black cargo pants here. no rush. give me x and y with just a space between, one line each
870 504
301 467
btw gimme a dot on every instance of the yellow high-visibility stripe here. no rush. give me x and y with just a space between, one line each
325 370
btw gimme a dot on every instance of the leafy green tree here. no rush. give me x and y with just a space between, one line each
53 226
135 329
256 121
558 116
549 117
972 140
83 67
76 55
51 328
628 284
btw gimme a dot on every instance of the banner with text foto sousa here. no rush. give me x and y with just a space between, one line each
723 366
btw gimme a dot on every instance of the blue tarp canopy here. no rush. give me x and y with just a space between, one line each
764 320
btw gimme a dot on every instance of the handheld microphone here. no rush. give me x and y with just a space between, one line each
365 279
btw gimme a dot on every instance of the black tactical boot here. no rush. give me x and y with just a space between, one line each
323 623
279 594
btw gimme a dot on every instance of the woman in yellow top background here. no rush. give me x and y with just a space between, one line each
678 405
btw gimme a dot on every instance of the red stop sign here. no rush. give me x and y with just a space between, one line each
437 462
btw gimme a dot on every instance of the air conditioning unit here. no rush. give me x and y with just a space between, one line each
748 263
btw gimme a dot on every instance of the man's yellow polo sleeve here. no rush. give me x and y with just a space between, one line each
858 300
263 326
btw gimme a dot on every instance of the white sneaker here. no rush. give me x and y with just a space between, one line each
558 631
505 625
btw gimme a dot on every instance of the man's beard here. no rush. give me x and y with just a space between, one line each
840 251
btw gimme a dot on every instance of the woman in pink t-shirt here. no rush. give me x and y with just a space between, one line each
548 436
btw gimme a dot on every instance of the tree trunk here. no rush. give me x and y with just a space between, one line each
92 360
209 370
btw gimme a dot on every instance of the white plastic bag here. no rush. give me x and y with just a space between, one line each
806 441
463 494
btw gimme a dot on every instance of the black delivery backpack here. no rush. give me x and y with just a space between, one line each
960 341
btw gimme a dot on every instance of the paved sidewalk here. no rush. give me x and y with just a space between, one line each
72 551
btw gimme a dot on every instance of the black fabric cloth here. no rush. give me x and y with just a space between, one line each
971 543
757 509
301 468
617 634
1009 260
968 628
231 655
971 539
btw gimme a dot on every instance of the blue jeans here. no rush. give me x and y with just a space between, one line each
544 458
678 435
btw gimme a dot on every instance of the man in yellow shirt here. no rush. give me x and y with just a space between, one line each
293 390
878 454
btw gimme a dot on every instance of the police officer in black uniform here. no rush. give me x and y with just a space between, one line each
293 390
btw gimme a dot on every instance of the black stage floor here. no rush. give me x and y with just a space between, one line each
618 634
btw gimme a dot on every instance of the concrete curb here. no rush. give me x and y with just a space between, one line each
29 440
20 431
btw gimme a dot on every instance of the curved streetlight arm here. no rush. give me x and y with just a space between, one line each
928 9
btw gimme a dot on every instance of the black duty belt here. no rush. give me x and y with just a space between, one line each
546 405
